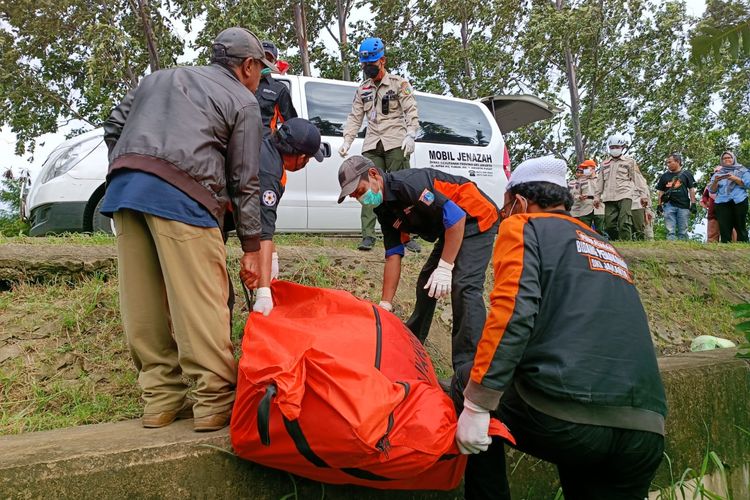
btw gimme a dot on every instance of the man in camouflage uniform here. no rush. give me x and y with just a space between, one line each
582 188
641 200
388 102
615 188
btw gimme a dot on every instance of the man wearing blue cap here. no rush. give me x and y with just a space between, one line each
273 96
288 149
392 123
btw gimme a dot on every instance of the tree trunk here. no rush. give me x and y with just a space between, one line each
341 14
151 45
467 62
300 28
575 100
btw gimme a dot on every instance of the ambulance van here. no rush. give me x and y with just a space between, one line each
457 136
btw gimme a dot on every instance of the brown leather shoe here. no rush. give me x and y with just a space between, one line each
212 422
156 420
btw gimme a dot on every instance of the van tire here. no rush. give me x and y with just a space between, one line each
100 223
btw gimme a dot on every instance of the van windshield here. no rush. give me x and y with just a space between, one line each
329 104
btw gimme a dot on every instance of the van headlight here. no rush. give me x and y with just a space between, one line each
63 160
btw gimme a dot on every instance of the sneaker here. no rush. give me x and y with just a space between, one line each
367 243
164 418
212 422
413 246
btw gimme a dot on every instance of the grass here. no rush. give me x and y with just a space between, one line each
63 239
74 367
692 482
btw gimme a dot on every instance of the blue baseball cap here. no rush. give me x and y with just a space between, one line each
301 135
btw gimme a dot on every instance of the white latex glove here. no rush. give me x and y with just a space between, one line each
472 434
344 149
440 280
408 145
386 305
263 301
274 266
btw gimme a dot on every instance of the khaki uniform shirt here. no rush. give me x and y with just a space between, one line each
641 191
390 128
616 180
583 186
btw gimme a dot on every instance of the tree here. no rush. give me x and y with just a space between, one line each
72 60
726 24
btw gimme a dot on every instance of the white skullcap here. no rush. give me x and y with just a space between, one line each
544 169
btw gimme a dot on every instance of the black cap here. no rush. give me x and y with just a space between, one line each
302 136
269 47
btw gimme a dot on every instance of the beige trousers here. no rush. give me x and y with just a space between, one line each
173 300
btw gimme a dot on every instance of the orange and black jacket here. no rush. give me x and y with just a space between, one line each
275 104
567 329
426 202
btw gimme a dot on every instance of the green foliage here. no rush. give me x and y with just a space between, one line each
67 60
636 66
725 29
11 222
742 313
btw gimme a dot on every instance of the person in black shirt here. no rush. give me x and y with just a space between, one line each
676 192
288 149
273 96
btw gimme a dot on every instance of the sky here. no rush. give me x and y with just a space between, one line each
47 142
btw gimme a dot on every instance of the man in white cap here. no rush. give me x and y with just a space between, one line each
566 359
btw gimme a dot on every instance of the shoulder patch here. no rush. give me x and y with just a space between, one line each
406 89
427 197
269 198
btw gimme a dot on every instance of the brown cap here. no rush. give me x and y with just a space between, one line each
350 172
241 43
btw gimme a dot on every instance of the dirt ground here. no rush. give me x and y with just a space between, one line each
64 361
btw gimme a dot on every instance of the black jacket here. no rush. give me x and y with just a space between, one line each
199 129
275 104
567 328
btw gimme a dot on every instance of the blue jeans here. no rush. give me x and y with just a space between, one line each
676 217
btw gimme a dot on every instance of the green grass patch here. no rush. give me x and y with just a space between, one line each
63 239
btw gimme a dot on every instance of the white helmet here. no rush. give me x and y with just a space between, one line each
617 144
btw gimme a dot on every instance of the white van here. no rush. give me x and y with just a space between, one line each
457 136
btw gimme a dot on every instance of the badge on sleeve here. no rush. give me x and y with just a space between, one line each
406 89
269 198
427 197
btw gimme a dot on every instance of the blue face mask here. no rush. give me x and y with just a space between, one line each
265 71
371 199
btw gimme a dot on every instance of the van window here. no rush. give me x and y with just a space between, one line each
441 121
451 122
328 106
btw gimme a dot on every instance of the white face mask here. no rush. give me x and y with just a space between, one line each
588 171
615 151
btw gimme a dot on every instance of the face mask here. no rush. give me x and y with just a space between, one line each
371 199
588 171
371 70
616 152
265 71
505 214
294 162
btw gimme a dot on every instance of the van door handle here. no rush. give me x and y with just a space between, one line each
326 149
